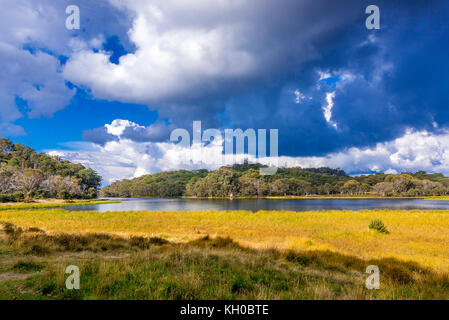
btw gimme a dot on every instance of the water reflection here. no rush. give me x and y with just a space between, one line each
262 204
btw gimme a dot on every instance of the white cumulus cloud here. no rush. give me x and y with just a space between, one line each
186 49
327 109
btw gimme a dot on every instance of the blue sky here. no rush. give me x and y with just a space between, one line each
108 95
81 114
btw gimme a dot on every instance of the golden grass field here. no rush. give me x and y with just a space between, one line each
419 236
417 247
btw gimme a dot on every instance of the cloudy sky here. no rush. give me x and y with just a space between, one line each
109 94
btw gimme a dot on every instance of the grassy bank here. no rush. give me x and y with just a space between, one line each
190 255
442 198
52 203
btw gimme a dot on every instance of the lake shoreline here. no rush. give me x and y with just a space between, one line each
319 197
289 203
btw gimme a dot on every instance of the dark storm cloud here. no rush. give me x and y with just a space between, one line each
400 81
278 37
156 132
387 80
98 136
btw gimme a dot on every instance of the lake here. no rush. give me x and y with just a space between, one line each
152 204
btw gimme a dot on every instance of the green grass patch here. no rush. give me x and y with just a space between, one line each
27 266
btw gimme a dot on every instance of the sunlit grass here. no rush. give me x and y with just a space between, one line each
443 198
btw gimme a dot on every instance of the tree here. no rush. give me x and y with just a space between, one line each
282 187
89 178
402 183
6 147
328 188
62 187
351 187
384 189
6 174
248 185
29 180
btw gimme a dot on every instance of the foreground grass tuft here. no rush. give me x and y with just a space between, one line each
379 226
26 266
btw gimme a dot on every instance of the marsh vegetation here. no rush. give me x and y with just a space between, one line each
223 255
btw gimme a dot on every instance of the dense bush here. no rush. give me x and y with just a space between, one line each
12 197
379 226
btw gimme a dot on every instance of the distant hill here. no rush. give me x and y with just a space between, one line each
26 174
161 185
244 180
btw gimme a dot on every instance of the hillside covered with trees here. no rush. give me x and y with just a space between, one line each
25 174
245 181
160 185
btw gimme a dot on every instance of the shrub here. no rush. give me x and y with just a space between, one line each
146 243
11 230
218 242
12 197
34 229
24 266
38 250
295 257
17 196
49 288
240 284
379 226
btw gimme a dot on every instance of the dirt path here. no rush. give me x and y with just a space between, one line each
14 276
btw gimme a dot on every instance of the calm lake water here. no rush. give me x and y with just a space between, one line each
261 204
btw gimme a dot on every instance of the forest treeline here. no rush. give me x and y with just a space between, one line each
244 180
26 174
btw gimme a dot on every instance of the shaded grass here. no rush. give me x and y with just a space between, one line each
34 241
205 268
27 266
